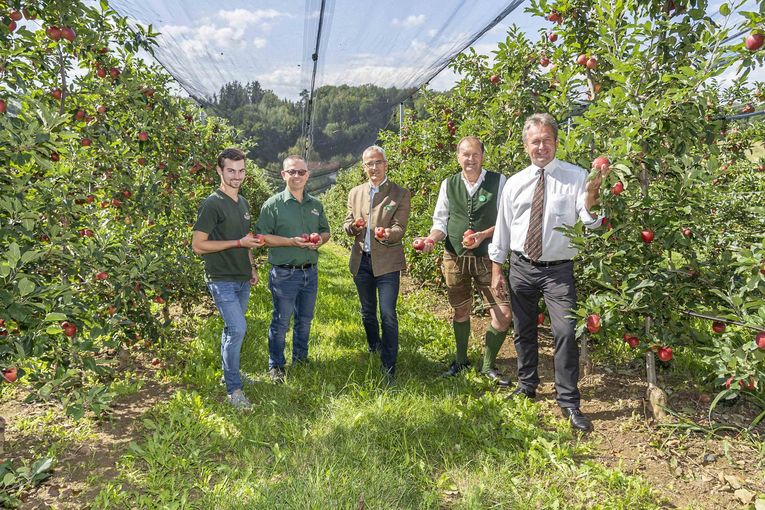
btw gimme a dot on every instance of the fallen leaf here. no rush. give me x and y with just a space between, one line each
733 481
744 496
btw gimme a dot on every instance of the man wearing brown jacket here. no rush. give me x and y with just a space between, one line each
378 212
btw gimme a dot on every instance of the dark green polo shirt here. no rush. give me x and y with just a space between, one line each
283 215
222 219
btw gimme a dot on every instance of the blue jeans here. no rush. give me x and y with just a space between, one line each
231 300
293 291
386 286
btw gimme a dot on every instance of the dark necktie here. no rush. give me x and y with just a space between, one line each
533 246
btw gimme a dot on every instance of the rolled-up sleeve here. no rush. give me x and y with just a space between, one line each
441 212
589 221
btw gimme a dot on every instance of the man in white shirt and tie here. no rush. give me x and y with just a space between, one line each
547 194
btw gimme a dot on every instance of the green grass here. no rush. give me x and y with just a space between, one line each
334 435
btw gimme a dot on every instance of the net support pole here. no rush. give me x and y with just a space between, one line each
400 122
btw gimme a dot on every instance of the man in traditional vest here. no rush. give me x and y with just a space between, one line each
539 199
464 218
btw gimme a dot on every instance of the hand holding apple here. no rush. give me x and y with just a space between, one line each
470 238
380 233
359 223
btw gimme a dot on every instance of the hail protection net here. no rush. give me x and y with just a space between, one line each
298 63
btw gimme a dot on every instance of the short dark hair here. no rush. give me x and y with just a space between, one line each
231 153
471 139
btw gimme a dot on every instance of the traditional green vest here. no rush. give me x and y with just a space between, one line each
478 212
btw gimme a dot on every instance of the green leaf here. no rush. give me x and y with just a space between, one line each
725 9
55 317
26 287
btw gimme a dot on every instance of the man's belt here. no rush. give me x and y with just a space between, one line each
293 266
540 263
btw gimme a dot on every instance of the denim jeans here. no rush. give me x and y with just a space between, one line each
385 286
293 291
231 300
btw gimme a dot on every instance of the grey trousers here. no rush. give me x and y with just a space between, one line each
556 284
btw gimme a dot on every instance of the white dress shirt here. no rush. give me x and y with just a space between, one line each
565 193
368 235
441 212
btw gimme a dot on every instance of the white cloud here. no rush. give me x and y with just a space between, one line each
410 21
242 18
432 32
259 42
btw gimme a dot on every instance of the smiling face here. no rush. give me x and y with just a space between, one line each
470 156
375 166
540 144
295 173
232 174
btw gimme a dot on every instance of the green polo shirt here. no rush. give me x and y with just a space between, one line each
222 219
283 215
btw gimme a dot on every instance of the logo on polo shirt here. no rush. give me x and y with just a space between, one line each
315 212
247 216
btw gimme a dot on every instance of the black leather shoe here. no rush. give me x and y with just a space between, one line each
495 376
455 368
577 419
523 392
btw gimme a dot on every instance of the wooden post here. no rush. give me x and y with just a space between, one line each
656 397
584 356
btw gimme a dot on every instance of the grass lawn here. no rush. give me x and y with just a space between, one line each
335 436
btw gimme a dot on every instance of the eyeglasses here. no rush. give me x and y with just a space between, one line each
295 172
377 162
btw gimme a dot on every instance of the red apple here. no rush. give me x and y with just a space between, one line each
101 109
10 374
159 299
69 329
601 163
687 232
418 244
86 232
727 382
593 323
15 15
718 327
112 309
260 238
101 72
86 142
68 34
12 26
494 79
380 232
647 235
664 353
632 341
554 17
156 362
54 156
540 318
360 223
591 63
114 72
103 275
53 32
466 239
3 106
116 202
305 237
544 61
56 94
79 114
143 136
760 340
748 108
754 41
127 193
617 188
581 59
89 199
552 37
314 238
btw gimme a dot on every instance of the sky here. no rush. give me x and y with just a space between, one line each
385 42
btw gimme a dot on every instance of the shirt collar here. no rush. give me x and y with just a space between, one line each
377 188
288 196
549 167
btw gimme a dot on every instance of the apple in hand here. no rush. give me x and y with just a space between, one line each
466 239
260 238
314 238
418 244
593 323
601 163
380 232
359 223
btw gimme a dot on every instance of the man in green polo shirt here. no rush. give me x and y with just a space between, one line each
295 226
464 218
222 237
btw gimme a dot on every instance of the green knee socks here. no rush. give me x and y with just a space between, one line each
461 335
494 340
